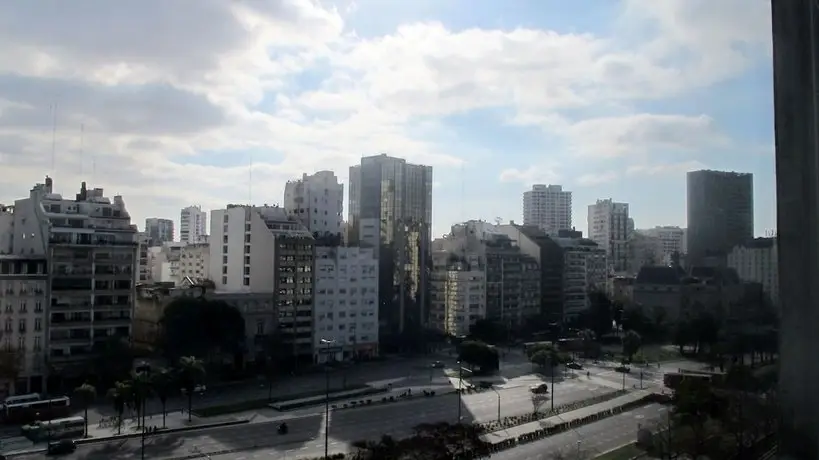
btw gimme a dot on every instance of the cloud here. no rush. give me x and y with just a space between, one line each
597 179
531 175
651 170
157 82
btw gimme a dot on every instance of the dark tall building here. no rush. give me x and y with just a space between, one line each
720 213
390 209
796 86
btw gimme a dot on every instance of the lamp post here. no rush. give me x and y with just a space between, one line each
499 404
460 386
327 344
144 397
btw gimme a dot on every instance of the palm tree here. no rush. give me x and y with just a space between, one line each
119 395
85 395
140 392
163 383
191 373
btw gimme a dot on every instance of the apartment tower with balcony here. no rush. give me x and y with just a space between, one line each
91 250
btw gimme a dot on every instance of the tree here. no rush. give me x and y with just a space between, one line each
196 326
191 373
112 361
446 441
164 384
85 395
386 448
488 331
478 354
631 343
119 395
588 338
140 393
11 363
600 313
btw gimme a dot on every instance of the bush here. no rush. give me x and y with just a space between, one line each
224 409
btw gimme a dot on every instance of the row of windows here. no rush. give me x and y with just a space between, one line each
21 344
21 325
38 307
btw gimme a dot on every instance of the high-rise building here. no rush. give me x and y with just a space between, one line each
610 227
261 249
796 85
193 225
548 207
159 230
346 305
672 238
720 214
391 211
317 201
90 247
757 261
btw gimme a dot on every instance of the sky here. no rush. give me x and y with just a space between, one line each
209 102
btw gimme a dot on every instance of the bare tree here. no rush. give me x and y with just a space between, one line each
538 400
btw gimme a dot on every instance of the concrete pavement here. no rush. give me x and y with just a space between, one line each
595 438
306 437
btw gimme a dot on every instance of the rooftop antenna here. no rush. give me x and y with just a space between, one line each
53 136
250 180
82 148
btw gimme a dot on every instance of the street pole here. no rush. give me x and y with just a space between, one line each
326 397
142 448
460 386
624 380
553 387
641 379
499 402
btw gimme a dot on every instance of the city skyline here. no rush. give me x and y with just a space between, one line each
620 110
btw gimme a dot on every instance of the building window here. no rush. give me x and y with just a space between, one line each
260 327
23 307
22 326
246 281
8 325
38 324
247 249
37 345
21 343
224 280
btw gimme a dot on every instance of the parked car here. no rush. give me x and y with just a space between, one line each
539 389
623 369
61 447
437 365
574 365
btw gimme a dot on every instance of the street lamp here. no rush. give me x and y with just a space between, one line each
578 449
144 397
497 393
460 391
327 344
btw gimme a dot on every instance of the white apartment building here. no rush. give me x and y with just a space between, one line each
673 239
317 201
144 264
346 305
193 225
194 261
757 261
584 269
548 207
262 249
24 318
164 262
609 227
91 250
159 230
644 250
464 299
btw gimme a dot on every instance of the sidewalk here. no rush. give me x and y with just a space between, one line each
514 432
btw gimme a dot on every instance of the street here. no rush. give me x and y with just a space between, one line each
595 438
306 436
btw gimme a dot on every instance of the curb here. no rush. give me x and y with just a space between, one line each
382 401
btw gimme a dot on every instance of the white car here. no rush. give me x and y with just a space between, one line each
196 389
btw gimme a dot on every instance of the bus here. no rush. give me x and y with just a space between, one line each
672 380
31 397
28 412
53 430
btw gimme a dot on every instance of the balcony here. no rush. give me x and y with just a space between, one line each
84 239
69 307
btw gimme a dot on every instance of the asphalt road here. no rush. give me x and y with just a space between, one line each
306 436
595 438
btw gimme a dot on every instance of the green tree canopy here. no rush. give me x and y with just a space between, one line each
201 327
478 354
631 343
489 331
600 313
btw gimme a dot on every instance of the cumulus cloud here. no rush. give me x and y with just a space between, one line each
156 83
